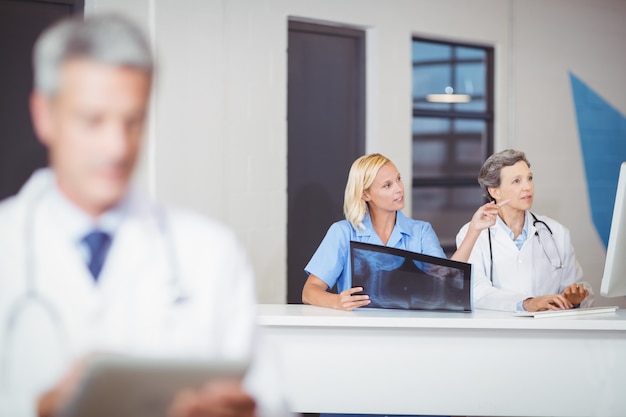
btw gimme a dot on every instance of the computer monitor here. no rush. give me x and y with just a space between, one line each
614 278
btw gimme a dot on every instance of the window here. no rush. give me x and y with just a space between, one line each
452 132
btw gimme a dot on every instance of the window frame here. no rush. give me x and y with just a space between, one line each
451 114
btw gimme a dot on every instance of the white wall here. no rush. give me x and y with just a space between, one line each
553 38
217 141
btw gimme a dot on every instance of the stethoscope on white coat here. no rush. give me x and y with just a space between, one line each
33 297
555 261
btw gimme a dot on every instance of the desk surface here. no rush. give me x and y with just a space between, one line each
306 315
484 363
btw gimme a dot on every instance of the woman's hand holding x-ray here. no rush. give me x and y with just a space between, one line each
349 301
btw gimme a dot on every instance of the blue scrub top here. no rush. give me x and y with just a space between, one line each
331 260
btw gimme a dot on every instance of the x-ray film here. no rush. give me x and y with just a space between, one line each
400 279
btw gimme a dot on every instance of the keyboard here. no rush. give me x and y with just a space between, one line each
565 313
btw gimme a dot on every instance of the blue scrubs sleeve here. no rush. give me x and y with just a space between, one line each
330 261
430 242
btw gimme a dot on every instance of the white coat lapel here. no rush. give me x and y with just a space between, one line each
133 282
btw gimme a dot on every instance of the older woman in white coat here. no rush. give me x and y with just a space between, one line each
525 261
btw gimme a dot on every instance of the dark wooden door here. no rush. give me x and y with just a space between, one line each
21 21
326 133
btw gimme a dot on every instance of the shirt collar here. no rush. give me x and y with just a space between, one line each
403 223
76 222
402 227
509 232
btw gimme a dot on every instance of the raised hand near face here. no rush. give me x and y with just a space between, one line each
486 215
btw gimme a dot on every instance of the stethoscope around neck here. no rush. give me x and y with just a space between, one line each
33 297
548 244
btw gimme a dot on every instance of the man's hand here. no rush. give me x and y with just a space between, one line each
215 399
51 401
575 293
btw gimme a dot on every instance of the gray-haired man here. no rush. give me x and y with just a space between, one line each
87 264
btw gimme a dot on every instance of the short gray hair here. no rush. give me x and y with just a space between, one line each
489 175
108 39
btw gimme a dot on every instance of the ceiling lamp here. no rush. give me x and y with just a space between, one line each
448 97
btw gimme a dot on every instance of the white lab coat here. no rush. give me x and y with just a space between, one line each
520 273
131 309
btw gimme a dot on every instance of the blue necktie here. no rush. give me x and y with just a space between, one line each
98 243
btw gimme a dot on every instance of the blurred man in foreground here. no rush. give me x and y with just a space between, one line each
87 264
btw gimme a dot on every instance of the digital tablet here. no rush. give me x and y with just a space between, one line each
123 386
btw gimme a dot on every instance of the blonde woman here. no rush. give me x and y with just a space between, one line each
373 201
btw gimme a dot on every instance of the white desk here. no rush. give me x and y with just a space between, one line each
416 362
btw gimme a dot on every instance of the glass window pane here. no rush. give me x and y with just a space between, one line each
431 79
464 52
470 80
424 51
446 209
448 148
440 69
